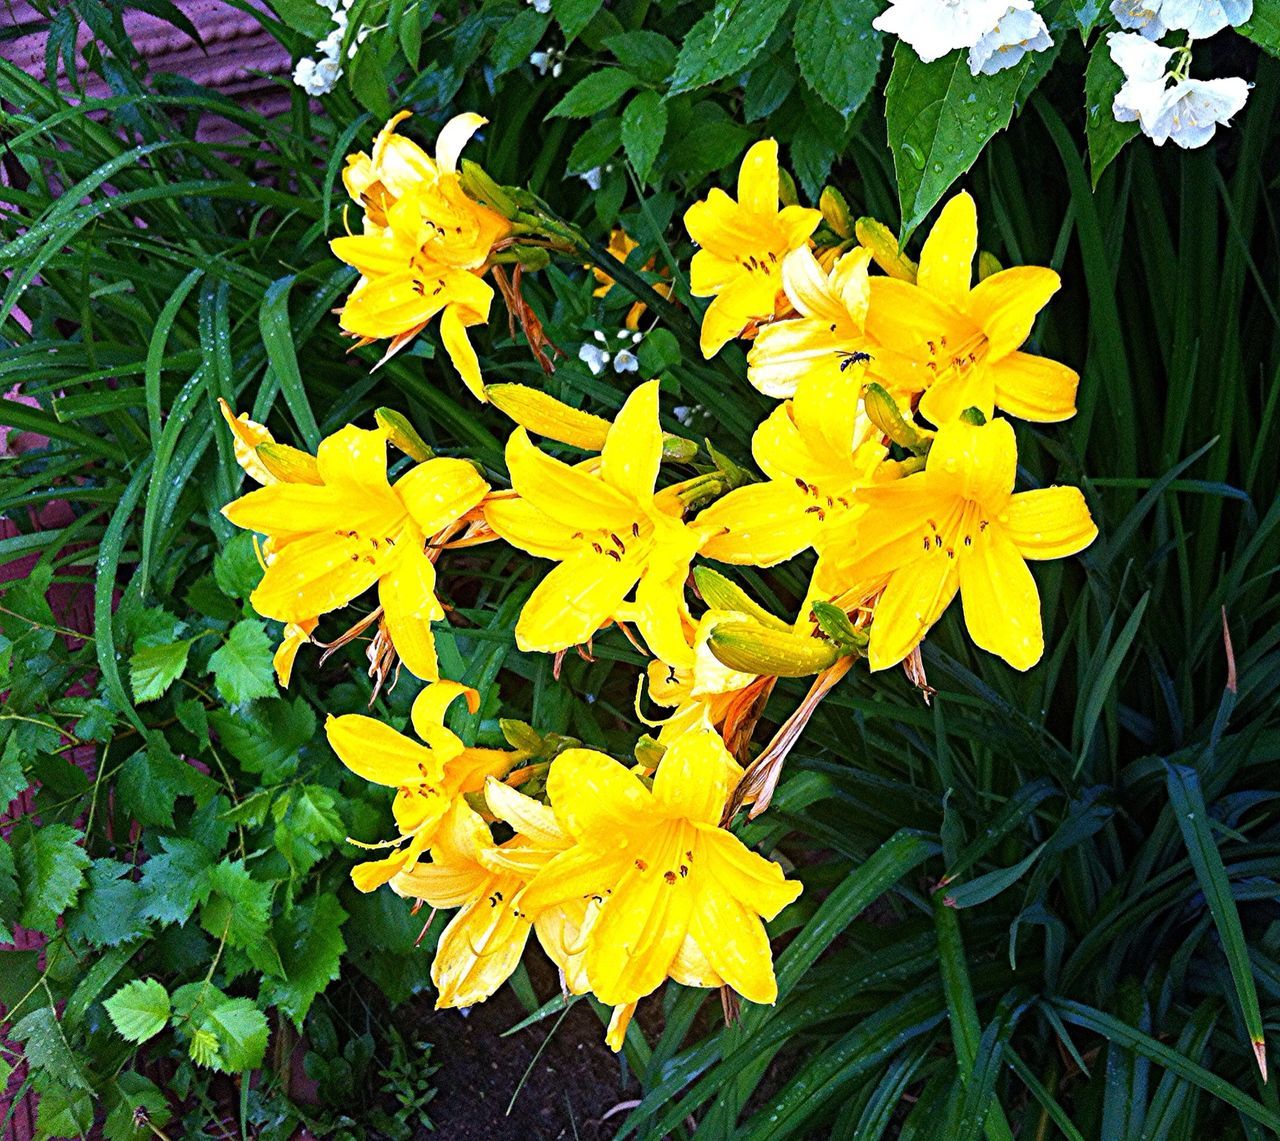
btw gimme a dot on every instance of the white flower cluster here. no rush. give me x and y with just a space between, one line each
318 76
597 357
997 33
1162 99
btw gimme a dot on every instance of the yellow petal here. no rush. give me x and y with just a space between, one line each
387 305
694 776
660 610
246 435
373 750
760 524
913 600
904 318
574 600
829 417
354 457
372 874
1004 305
710 272
753 880
524 526
1035 388
616 1035
563 932
442 885
750 297
453 137
296 634
717 225
974 463
1049 523
786 352
477 952
633 449
946 259
735 944
957 391
691 967
527 816
428 713
312 575
296 508
577 874
810 291
409 606
570 495
374 255
595 797
1001 603
453 334
440 491
850 280
399 162
758 178
794 224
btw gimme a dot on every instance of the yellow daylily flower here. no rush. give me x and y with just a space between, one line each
743 246
296 635
818 450
959 343
955 526
609 531
428 779
424 247
682 897
620 245
331 541
828 337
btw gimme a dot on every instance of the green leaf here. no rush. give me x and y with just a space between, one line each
174 880
51 869
307 825
987 886
1106 135
13 780
1263 27
137 1093
63 1111
725 41
309 938
151 781
516 40
644 126
47 1051
939 117
110 910
648 54
574 15
10 896
597 91
139 1010
241 666
838 50
266 737
305 16
240 907
241 1032
236 569
596 146
153 669
1192 815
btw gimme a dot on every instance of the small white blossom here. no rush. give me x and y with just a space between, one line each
361 36
935 27
1139 59
1203 18
1018 31
1141 16
594 358
542 7
636 338
592 177
317 77
541 60
626 361
1192 110
332 5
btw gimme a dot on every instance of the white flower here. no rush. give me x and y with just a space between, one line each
331 44
542 61
1139 59
1018 31
1192 109
595 359
317 77
592 177
1142 16
1203 18
935 27
332 5
626 361
542 7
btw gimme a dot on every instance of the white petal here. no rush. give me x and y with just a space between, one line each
453 137
1139 59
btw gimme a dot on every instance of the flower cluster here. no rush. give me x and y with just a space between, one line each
318 75
996 33
885 457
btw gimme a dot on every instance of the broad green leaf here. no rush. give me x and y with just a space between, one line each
241 1032
725 41
939 117
304 16
516 40
139 1010
1107 136
241 666
574 15
1263 27
597 91
109 912
51 868
47 1050
596 146
13 780
647 54
644 126
153 669
174 880
838 50
309 938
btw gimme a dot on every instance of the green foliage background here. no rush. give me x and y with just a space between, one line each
1106 940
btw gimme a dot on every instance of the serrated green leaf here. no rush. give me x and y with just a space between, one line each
47 1051
516 40
153 669
309 938
51 866
1263 27
597 91
574 15
109 911
648 54
151 781
267 737
139 1010
241 666
175 880
13 780
307 825
240 1029
1106 135
239 907
10 896
597 145
644 126
236 569
939 117
725 41
136 1093
837 50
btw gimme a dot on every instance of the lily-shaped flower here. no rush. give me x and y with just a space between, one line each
429 779
743 245
828 337
960 343
424 248
682 897
817 450
609 531
331 540
955 526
